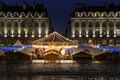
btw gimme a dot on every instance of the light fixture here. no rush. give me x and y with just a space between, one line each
39 35
33 35
19 35
96 29
5 35
73 35
26 35
46 35
12 35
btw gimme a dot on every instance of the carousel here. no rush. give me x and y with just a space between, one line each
54 47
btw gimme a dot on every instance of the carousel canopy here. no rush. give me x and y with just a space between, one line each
55 39
17 43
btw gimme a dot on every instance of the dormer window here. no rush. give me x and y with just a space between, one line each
90 14
111 14
104 14
97 14
22 14
36 14
118 14
77 14
9 14
16 14
43 14
83 14
29 14
2 14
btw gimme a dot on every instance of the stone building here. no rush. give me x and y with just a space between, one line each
95 24
25 22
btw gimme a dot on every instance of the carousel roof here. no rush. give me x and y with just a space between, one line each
17 43
54 37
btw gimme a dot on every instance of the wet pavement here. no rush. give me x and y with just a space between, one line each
60 71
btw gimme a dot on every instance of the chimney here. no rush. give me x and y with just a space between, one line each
24 5
80 6
111 5
106 5
34 5
1 4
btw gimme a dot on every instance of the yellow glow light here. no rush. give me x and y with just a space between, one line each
96 29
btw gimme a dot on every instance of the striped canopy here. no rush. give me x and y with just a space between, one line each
55 39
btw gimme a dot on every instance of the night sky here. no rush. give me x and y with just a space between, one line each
60 10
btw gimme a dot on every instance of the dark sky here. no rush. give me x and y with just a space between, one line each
60 10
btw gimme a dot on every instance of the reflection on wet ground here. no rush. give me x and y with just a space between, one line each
57 71
58 78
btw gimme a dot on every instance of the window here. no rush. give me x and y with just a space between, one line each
76 33
104 24
23 24
90 32
83 33
111 33
36 24
118 24
118 32
43 24
118 28
15 24
29 24
97 24
76 24
83 24
2 24
111 24
90 24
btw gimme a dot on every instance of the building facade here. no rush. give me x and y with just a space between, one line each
95 24
26 23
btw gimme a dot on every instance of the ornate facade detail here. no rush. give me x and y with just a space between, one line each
95 23
23 24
